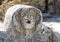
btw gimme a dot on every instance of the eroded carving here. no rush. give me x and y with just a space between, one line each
24 24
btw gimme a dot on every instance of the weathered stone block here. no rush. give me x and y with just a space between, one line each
24 24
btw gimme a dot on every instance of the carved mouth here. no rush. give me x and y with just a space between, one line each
28 21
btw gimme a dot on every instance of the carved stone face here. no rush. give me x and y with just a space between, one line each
29 19
28 22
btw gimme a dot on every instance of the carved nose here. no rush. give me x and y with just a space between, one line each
28 22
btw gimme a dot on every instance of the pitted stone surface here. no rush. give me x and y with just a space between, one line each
24 24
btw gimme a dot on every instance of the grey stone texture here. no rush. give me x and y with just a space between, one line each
24 24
